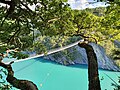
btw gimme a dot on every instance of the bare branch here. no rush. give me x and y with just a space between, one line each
5 2
86 37
55 19
26 7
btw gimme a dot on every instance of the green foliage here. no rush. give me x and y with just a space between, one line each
116 56
48 18
111 22
24 28
39 48
116 53
2 49
56 18
45 43
18 55
68 55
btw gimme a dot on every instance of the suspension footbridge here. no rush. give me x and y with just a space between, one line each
51 51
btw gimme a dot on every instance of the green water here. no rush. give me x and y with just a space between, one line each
51 76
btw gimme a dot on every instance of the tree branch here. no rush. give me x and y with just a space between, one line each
10 10
86 37
20 84
54 19
26 7
5 2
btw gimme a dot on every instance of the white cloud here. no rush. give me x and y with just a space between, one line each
83 4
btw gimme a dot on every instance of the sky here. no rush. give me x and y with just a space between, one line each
83 4
78 4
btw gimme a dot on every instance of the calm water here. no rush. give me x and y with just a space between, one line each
48 75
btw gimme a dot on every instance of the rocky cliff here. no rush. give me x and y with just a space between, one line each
77 55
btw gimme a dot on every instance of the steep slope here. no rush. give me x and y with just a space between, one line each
77 55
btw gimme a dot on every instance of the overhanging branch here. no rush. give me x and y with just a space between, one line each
5 2
26 6
20 84
86 37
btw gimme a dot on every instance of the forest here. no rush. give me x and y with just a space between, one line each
51 24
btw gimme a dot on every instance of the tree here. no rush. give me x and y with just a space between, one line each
19 25
93 76
116 55
98 28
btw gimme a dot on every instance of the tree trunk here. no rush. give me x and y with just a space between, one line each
20 84
93 76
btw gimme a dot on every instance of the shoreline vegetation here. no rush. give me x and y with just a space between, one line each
70 56
74 55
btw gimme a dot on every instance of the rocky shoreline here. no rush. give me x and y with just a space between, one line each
77 55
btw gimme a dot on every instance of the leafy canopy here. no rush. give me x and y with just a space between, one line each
21 25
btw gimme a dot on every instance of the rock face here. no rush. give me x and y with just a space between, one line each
117 43
77 55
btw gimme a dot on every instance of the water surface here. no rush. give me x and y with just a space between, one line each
49 75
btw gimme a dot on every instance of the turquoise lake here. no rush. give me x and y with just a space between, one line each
48 75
